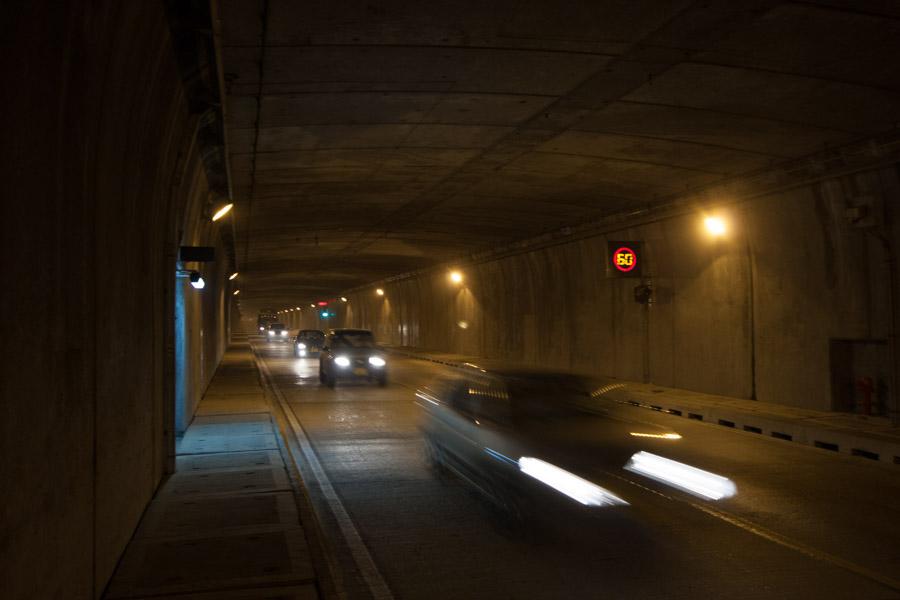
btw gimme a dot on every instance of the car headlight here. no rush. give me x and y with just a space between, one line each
376 361
271 333
342 361
284 333
262 328
301 345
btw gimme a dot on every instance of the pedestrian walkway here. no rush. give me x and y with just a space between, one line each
226 524
867 437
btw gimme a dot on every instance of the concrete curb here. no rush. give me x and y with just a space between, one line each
842 441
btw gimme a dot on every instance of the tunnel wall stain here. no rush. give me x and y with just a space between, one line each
101 177
748 315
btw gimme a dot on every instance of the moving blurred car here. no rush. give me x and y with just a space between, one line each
308 342
277 332
536 442
351 354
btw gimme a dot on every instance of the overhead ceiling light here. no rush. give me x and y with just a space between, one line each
715 226
197 280
235 292
456 277
233 276
222 212
343 299
380 292
312 305
298 308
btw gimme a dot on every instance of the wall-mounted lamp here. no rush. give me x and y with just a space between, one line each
222 212
233 276
235 292
197 280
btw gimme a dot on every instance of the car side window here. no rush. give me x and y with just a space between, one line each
461 400
492 403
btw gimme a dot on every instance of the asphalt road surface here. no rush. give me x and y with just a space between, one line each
805 523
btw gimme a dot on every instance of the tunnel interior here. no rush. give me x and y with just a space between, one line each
374 147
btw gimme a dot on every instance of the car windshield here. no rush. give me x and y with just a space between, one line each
353 339
547 396
315 336
277 327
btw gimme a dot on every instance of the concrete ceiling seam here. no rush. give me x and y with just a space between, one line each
264 19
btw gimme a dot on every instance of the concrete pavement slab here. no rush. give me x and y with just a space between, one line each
226 524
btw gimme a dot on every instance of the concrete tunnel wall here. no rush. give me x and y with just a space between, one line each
791 275
102 182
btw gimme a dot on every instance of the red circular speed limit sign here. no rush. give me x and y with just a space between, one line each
624 259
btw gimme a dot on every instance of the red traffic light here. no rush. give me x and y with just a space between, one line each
322 303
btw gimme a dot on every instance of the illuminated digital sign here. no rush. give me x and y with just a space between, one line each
624 259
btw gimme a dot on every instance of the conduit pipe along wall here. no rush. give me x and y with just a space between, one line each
758 309
104 164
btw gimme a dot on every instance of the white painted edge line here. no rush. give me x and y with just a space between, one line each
361 556
858 448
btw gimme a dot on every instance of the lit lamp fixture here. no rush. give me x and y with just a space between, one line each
197 280
343 299
715 226
222 212
298 308
456 277
380 292
312 305
235 292
233 276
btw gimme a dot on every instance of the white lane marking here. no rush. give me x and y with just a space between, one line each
364 562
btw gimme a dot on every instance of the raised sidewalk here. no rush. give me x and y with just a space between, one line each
871 438
227 523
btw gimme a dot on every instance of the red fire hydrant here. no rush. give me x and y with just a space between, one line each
866 387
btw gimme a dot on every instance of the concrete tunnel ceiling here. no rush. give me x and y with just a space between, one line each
368 139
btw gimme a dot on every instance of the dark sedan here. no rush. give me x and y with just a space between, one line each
537 442
308 342
351 355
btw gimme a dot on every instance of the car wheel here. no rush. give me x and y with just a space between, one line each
511 515
434 457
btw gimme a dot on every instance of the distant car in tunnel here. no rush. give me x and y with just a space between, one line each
534 442
277 332
309 342
351 355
